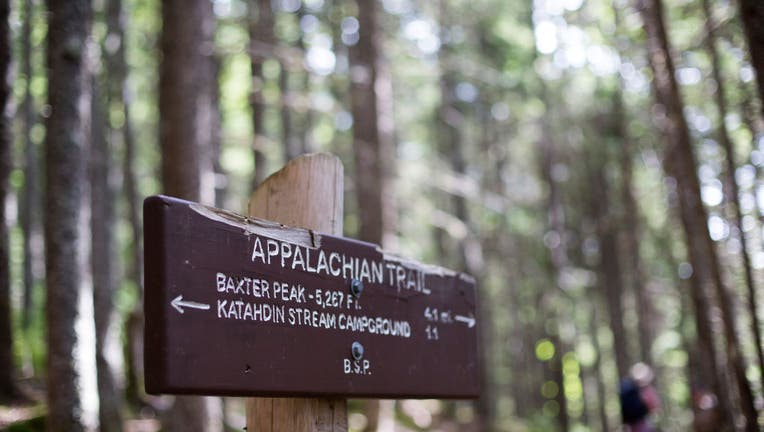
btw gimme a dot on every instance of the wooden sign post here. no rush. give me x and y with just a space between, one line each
308 192
242 306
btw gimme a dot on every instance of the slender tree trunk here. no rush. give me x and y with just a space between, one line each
186 96
7 369
469 250
373 142
609 266
219 174
103 267
752 15
754 124
631 219
610 263
679 163
599 375
289 143
555 224
261 45
119 95
71 395
373 150
306 142
732 191
29 209
700 376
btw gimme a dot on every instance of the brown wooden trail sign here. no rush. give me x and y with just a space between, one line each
240 306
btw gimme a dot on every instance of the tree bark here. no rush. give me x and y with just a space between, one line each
632 224
701 363
103 268
631 219
599 374
752 16
7 368
731 189
261 45
119 95
609 264
29 209
306 143
469 251
373 147
680 164
373 140
187 85
70 365
288 137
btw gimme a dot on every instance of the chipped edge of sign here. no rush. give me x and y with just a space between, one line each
312 239
430 269
299 236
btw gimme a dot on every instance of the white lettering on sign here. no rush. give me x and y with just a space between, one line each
318 308
251 299
242 310
356 367
317 261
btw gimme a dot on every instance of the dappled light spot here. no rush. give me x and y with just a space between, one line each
551 408
550 389
717 228
685 270
712 193
546 37
544 350
357 421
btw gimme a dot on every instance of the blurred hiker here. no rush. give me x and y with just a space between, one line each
638 399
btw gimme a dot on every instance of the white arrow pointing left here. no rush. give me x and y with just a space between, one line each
469 320
179 304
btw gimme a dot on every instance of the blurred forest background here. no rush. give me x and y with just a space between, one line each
597 165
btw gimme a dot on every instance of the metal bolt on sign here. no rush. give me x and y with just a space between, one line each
356 287
357 350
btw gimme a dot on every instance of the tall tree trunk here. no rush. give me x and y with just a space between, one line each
731 189
373 151
631 218
261 46
469 250
609 264
597 368
631 221
680 163
288 136
103 267
29 209
306 141
119 95
187 84
7 386
700 376
373 141
71 394
219 174
752 15
186 95
555 224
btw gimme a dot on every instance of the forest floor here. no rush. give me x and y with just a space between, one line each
27 412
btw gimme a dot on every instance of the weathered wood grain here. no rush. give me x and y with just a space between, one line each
307 193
